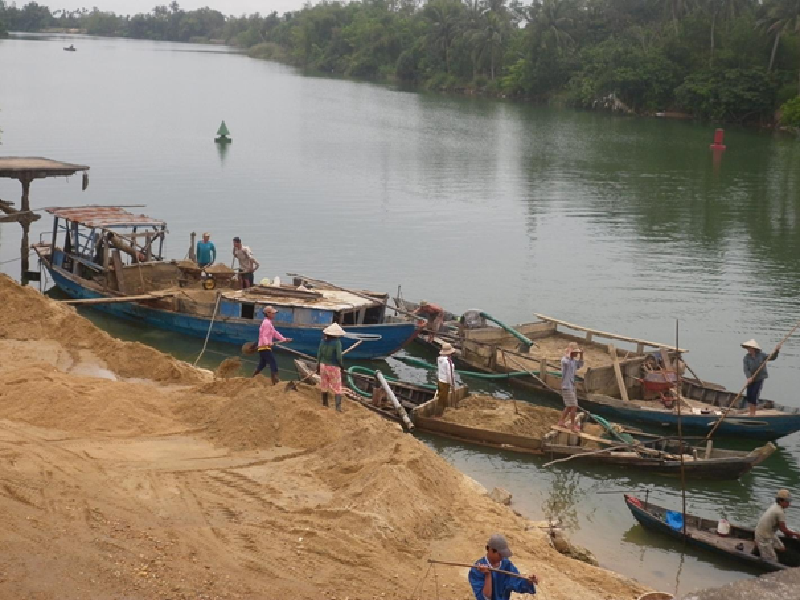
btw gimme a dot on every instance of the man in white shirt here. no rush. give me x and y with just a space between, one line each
772 521
446 374
247 262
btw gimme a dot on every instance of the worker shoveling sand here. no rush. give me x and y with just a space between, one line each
231 488
504 416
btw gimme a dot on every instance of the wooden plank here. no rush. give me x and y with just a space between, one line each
477 435
623 391
605 334
586 436
117 260
113 299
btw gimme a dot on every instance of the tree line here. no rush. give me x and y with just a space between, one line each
731 60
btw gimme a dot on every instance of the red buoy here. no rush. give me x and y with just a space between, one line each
719 134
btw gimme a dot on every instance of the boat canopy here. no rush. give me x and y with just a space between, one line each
334 300
103 217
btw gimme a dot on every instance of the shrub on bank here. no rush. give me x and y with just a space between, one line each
790 113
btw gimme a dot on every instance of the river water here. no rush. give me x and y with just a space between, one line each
622 224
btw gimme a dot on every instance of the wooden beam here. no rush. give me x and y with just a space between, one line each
605 334
623 391
115 258
113 299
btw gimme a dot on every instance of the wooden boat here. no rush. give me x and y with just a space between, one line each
622 384
657 455
654 454
70 48
112 260
702 533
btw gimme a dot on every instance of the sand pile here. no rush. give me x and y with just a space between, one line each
27 315
229 489
503 416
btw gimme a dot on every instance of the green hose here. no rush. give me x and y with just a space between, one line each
370 373
528 343
417 362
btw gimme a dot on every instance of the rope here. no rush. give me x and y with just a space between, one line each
420 583
744 387
210 325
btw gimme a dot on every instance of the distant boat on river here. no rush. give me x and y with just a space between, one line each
70 48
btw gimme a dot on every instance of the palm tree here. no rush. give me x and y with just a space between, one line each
488 38
721 9
444 17
552 20
783 16
675 9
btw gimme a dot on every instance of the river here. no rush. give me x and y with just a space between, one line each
623 224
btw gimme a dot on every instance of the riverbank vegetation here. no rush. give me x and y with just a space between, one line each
732 60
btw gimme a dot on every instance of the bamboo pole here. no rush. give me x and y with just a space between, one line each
744 387
401 412
456 564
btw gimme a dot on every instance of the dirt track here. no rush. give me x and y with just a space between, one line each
186 487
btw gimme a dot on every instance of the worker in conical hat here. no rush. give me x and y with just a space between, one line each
446 374
570 363
753 360
329 364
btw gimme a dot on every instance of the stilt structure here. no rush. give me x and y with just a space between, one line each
26 169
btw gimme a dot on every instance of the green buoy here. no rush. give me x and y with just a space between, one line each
223 135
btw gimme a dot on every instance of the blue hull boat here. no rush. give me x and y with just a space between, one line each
633 385
89 267
766 425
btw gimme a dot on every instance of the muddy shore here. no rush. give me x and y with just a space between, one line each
126 473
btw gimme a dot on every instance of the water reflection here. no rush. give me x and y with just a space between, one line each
222 150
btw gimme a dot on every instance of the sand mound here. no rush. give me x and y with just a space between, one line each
227 489
503 416
27 315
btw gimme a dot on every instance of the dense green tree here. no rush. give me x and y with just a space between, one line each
721 59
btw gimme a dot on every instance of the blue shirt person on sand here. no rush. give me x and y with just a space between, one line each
206 251
491 585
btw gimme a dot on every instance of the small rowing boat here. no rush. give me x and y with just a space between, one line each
738 545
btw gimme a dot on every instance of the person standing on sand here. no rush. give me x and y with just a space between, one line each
754 358
570 363
491 585
267 336
247 262
206 251
329 364
446 374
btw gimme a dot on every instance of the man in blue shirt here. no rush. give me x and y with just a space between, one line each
491 585
754 358
206 251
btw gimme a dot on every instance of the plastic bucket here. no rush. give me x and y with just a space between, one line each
249 348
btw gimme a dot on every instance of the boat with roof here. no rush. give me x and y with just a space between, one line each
111 259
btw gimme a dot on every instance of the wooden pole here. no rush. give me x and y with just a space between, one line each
744 387
455 564
680 430
24 247
398 407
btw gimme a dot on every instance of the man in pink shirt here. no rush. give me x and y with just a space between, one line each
267 336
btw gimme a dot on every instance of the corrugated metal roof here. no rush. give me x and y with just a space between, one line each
102 216
37 167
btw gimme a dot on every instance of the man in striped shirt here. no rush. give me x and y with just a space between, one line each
570 363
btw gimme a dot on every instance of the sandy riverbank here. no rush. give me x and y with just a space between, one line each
126 473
